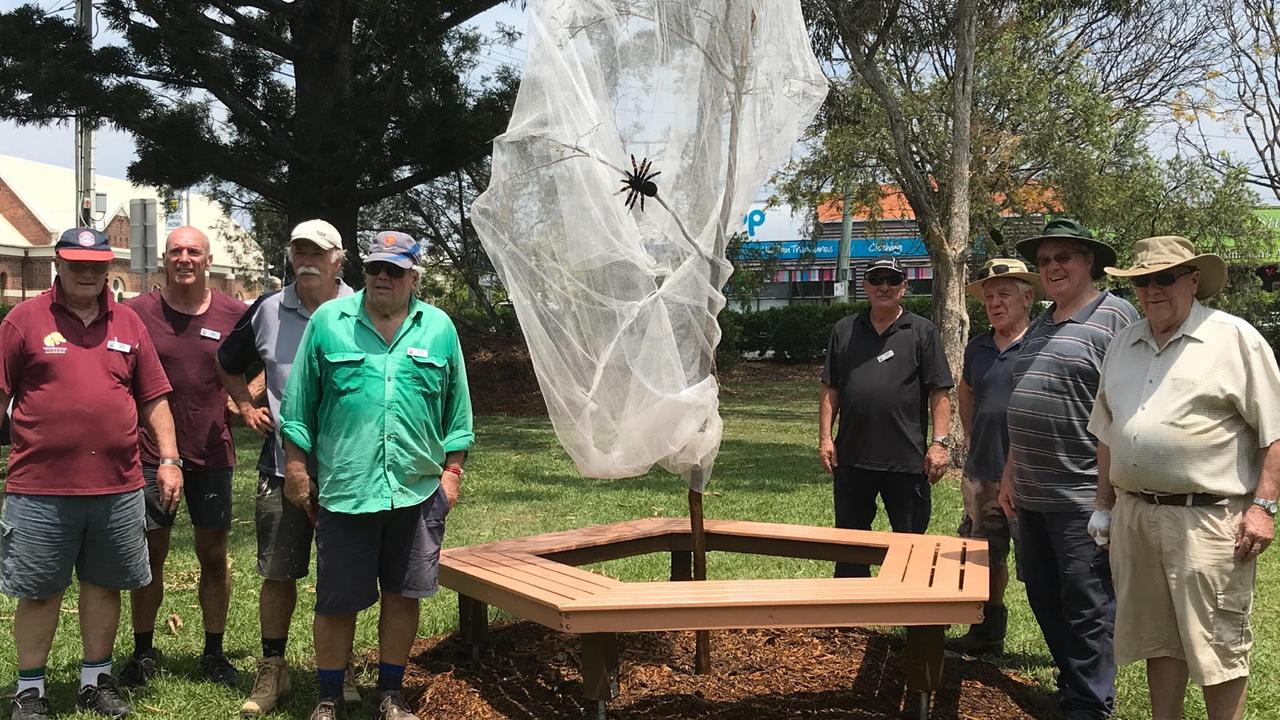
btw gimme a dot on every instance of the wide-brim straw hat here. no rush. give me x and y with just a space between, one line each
1155 254
1068 229
997 268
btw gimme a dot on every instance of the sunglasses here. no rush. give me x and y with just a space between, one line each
890 279
1060 258
373 269
1163 279
987 272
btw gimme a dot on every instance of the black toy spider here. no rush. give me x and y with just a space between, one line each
639 182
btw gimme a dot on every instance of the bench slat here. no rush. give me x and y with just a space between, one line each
946 570
718 618
919 572
564 581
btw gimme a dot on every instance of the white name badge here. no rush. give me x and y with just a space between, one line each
884 356
418 352
211 334
118 346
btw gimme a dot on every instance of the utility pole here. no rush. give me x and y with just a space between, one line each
84 136
844 282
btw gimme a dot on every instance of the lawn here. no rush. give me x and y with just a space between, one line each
520 482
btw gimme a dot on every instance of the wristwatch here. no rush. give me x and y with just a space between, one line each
1270 506
171 461
943 440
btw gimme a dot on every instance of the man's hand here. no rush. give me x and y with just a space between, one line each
452 485
1255 534
1005 496
297 488
169 480
827 454
1100 527
257 419
936 461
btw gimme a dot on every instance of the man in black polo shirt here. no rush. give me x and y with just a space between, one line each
885 374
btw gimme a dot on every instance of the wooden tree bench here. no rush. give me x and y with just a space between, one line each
925 583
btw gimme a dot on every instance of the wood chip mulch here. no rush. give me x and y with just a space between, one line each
530 672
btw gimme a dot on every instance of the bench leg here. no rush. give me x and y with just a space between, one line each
600 669
923 665
681 565
473 623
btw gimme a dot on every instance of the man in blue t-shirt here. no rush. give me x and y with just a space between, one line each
1007 290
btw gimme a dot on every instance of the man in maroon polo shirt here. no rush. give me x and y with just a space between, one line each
187 322
81 371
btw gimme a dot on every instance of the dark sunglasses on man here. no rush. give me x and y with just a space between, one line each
373 269
987 272
1165 278
890 279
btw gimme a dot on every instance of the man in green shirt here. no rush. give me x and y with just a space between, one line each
379 396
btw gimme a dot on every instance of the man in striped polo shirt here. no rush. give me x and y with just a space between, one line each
1051 475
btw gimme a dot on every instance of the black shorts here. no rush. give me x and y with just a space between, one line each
207 493
397 550
284 532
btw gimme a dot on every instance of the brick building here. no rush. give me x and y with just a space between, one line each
37 202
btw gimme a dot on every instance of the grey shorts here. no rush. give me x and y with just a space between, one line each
207 494
284 532
397 550
43 537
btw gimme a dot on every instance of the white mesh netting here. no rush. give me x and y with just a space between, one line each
619 306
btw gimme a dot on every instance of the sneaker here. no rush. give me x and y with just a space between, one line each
141 668
270 684
350 695
329 710
103 698
391 706
217 669
30 705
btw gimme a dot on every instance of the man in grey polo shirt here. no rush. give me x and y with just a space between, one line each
1051 477
269 335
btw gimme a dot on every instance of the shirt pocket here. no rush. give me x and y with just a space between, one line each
346 370
427 372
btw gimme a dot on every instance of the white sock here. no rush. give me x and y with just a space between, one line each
27 683
89 672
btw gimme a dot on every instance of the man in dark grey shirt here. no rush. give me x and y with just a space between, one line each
885 374
1051 476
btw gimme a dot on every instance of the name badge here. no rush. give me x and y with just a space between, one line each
211 334
884 356
418 352
119 346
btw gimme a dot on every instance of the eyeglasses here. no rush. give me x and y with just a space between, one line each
1061 258
890 279
987 272
1163 279
376 268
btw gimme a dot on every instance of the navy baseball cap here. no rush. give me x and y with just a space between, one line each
396 248
84 244
885 262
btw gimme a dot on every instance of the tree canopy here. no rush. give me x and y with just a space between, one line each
314 107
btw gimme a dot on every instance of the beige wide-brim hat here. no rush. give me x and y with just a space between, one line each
1154 254
997 268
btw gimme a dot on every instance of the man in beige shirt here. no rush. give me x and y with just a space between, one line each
1188 425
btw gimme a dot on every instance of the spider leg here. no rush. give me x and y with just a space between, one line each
633 164
653 175
644 166
641 202
625 187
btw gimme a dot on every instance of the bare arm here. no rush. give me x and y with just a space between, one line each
1105 496
937 457
451 482
828 408
964 398
1258 528
297 483
257 418
156 414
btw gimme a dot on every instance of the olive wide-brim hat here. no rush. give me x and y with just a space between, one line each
997 268
1067 229
1157 254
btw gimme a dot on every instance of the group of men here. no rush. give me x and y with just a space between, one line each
1134 461
119 410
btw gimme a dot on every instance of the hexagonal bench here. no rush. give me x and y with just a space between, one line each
925 583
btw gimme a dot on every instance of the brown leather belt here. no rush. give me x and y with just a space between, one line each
1183 499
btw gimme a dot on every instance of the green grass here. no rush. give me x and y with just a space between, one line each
520 482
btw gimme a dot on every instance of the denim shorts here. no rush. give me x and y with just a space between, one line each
395 550
43 537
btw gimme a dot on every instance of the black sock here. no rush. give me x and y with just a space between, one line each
213 644
143 642
273 648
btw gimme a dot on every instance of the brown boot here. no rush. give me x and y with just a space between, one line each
987 637
269 686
